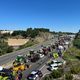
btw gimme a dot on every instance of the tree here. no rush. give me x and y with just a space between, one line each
19 32
79 31
4 48
29 32
76 41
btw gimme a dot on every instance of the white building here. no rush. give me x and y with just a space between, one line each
6 31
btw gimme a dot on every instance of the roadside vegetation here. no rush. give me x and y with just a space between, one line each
30 33
19 34
76 41
28 44
4 48
54 75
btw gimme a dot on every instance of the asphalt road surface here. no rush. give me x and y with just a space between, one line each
36 65
40 65
11 56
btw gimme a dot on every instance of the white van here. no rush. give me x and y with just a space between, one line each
53 67
59 63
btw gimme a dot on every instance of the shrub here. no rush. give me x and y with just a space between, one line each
76 43
68 76
75 69
46 78
57 73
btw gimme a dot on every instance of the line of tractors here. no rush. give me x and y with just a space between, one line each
22 62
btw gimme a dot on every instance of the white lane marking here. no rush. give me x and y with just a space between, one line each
42 67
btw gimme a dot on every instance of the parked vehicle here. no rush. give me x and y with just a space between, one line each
55 62
53 67
34 75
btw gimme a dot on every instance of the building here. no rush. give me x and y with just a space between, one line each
6 31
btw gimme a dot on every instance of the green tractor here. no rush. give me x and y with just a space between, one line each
21 59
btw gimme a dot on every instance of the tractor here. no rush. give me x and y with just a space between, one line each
20 58
6 74
20 63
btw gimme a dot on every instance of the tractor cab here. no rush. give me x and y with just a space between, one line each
20 58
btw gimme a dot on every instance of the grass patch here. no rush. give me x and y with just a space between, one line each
72 54
68 76
75 69
28 44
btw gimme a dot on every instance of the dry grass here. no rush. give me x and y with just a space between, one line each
17 42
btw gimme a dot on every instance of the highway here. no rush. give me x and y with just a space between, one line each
36 65
40 65
11 56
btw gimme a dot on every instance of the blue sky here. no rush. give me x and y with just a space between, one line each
57 15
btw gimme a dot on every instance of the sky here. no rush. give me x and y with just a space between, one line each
57 15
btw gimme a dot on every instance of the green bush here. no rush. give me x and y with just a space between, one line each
9 49
68 76
57 73
5 48
46 78
76 43
75 69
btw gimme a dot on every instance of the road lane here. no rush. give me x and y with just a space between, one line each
41 66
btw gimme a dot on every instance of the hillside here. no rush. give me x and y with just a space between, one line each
43 36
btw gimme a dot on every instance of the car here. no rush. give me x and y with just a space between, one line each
39 73
59 63
52 62
53 67
55 62
34 75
